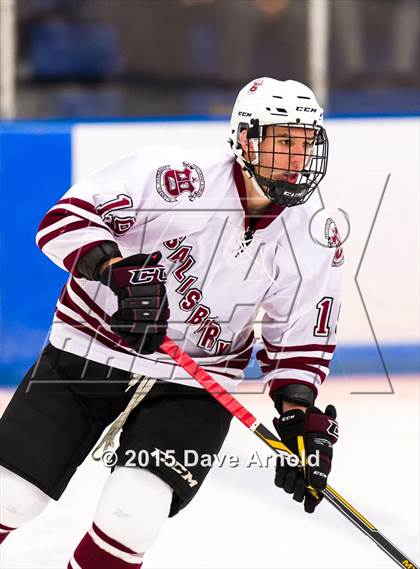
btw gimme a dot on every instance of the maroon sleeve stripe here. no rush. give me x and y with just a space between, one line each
54 215
303 364
77 289
92 333
72 258
106 337
297 361
57 215
109 344
73 226
308 368
67 301
302 348
83 204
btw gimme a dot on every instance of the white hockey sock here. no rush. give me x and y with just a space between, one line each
20 501
133 507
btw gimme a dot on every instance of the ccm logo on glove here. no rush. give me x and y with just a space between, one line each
307 433
143 312
145 276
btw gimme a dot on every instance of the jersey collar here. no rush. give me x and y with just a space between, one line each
262 221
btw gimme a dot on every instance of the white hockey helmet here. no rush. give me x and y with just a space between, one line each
268 102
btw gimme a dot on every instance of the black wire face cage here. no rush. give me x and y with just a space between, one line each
288 160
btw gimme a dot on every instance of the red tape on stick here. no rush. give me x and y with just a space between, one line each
209 384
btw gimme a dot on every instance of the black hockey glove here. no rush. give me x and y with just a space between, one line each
313 432
143 312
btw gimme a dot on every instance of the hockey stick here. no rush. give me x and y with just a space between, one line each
248 419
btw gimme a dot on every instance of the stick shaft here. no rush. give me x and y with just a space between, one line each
247 418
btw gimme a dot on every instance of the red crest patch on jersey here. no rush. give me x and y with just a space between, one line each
172 182
118 224
334 240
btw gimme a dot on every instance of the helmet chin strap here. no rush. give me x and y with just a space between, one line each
283 193
248 171
279 192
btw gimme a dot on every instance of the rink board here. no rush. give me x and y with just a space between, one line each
378 328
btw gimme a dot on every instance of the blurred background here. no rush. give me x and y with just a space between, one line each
83 82
129 58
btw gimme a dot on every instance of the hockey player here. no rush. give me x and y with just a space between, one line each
189 244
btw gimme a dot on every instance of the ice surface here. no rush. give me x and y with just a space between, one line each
241 520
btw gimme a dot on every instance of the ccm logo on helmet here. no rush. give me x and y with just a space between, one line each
148 275
244 114
306 109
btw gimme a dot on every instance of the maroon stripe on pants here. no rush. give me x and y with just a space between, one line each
90 556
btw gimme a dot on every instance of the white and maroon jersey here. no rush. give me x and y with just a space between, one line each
191 206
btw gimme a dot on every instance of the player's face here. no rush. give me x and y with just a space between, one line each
284 152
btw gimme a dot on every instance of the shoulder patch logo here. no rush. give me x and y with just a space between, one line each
118 224
334 240
171 182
